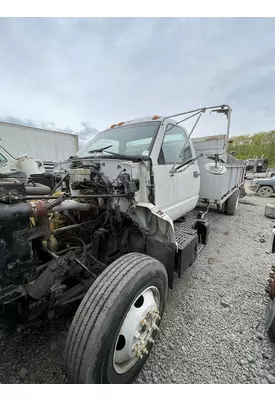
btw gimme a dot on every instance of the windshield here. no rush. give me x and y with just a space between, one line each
129 140
3 159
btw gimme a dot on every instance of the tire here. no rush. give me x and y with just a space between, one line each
265 191
232 203
95 332
270 320
271 331
221 208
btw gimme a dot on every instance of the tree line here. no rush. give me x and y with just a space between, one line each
254 145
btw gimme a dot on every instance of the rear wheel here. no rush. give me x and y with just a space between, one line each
115 325
221 208
232 203
265 191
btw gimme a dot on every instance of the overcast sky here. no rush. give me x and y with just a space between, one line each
68 72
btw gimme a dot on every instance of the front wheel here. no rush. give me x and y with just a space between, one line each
265 191
115 325
270 320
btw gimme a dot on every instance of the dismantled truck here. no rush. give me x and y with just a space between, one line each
110 235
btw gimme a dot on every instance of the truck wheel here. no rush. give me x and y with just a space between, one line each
232 203
221 208
114 327
270 319
265 191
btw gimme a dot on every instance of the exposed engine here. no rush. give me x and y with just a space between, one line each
55 241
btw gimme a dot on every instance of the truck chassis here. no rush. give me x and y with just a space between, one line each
96 238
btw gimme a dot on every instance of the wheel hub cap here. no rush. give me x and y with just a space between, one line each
137 330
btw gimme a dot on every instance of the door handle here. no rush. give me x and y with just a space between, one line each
196 174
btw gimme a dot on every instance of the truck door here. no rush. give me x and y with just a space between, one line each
176 194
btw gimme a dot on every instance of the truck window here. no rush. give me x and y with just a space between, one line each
3 159
137 146
172 150
133 139
104 143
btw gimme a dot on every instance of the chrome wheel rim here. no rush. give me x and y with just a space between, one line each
137 330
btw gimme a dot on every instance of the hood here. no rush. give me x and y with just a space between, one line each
263 180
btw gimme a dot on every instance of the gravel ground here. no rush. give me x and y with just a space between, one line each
212 330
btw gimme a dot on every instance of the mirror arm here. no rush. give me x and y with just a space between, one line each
188 137
186 163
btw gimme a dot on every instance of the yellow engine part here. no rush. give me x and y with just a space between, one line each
51 243
57 221
58 193
32 222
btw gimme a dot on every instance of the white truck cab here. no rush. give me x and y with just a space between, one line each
175 193
167 145
174 167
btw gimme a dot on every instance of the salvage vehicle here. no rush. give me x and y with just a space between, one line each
110 237
257 165
264 187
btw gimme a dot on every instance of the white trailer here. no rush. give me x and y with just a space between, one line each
46 145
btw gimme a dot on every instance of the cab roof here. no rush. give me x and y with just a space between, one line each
154 118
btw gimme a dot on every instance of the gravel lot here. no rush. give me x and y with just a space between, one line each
212 330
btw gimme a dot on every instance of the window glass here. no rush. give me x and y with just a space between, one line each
3 159
139 146
104 143
135 139
172 148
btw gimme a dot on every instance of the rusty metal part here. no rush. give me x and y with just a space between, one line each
41 207
75 293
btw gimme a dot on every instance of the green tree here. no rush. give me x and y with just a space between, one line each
254 145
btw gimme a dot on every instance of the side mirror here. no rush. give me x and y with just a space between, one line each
215 168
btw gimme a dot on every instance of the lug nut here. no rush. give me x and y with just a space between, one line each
138 354
155 327
136 335
144 350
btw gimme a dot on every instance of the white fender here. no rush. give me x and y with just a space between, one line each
154 222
